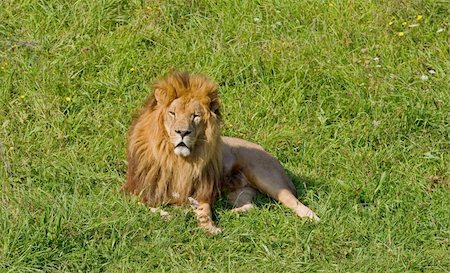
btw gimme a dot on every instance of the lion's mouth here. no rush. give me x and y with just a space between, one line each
182 149
181 144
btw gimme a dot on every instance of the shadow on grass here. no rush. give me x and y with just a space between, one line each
304 183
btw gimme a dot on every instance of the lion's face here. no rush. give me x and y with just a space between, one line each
184 123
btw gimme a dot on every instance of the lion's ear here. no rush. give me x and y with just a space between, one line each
160 96
164 96
214 104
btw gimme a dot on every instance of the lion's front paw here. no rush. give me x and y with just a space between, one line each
213 230
166 216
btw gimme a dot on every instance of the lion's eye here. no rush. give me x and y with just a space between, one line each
194 116
172 113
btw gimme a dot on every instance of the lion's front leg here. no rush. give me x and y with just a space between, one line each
204 216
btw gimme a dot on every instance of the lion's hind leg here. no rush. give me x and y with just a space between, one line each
268 176
240 193
241 199
277 185
289 200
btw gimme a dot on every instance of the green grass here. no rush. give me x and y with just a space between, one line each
328 87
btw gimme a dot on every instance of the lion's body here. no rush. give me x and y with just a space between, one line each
175 153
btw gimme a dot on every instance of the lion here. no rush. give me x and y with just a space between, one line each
176 154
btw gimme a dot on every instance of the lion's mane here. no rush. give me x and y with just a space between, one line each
155 173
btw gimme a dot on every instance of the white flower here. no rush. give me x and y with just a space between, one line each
424 77
431 71
256 19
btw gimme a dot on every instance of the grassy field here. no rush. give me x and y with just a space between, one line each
351 96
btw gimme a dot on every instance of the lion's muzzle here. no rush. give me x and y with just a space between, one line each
182 149
183 142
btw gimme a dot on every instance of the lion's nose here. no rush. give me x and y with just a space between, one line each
183 133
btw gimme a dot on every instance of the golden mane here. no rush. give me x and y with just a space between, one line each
155 173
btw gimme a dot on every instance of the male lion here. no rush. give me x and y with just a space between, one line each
176 154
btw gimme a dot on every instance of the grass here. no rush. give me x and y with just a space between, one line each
356 112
